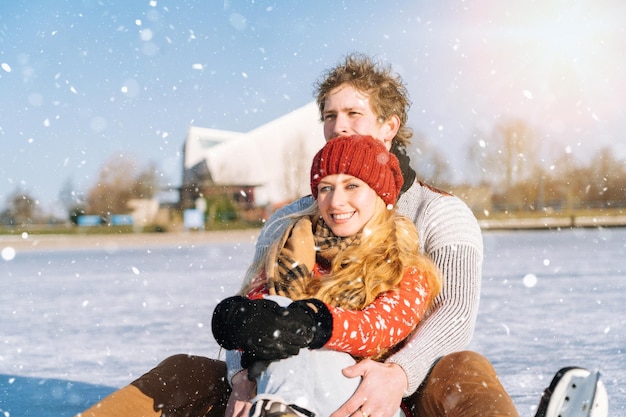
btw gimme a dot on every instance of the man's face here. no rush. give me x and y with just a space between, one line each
347 111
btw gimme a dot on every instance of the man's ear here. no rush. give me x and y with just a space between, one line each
390 129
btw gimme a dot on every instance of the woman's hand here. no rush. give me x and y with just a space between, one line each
380 392
259 327
244 390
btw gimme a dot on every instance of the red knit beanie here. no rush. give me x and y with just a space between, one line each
363 157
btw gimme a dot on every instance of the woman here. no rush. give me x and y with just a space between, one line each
352 280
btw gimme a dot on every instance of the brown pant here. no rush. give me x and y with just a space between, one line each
462 384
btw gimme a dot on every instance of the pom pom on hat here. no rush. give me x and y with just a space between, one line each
363 157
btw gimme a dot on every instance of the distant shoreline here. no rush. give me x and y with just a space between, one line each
50 242
552 222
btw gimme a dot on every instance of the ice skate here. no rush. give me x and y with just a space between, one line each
574 392
266 405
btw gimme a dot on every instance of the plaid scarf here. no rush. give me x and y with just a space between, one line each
291 277
328 244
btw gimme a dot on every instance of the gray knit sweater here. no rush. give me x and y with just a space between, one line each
450 235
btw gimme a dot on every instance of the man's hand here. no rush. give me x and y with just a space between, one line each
380 392
243 391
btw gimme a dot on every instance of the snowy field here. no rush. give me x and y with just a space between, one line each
105 316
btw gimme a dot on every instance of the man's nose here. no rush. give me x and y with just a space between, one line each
341 127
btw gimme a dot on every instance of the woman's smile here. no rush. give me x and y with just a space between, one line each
341 217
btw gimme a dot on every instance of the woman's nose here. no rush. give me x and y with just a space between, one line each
338 198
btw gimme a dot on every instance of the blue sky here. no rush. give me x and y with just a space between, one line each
82 81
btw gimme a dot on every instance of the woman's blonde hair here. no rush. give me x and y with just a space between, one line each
388 246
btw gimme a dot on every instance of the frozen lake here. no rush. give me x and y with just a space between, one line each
104 317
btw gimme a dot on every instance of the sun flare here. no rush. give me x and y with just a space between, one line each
558 63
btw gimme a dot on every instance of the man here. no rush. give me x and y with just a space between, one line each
362 97
431 374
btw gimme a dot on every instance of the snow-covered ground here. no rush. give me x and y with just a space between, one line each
103 317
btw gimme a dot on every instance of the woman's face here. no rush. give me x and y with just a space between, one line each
346 203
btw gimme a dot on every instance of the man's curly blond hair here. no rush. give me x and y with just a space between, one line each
385 89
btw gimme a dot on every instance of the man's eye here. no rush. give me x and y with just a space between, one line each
325 189
350 186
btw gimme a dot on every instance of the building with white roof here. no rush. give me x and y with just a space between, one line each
269 165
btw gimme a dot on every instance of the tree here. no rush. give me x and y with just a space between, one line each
514 148
21 209
118 182
480 163
508 160
606 181
519 150
430 165
145 184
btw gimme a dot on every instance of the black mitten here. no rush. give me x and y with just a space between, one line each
311 313
255 367
260 327
317 318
